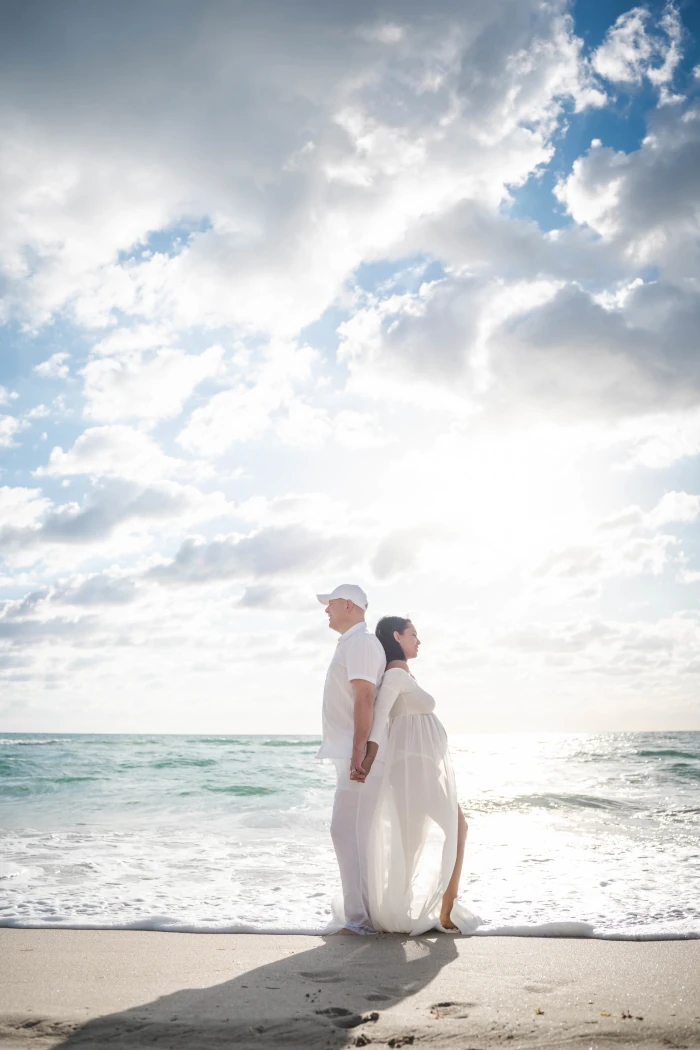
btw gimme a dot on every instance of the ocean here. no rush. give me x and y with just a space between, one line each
569 834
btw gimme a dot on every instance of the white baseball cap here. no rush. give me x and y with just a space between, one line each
351 591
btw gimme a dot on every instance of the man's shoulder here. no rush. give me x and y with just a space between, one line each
365 650
365 639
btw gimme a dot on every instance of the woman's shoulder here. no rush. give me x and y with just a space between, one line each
398 672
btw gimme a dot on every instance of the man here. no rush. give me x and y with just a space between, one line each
351 686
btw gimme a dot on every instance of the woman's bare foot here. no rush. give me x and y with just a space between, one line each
346 930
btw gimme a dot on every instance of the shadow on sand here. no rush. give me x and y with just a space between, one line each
317 998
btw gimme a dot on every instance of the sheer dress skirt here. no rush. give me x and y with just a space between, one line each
413 841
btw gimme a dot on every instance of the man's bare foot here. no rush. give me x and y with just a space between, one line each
346 930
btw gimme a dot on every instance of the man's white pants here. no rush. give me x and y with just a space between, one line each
353 809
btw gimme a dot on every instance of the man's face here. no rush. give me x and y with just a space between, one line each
339 612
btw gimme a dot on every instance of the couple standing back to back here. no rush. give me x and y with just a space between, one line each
397 829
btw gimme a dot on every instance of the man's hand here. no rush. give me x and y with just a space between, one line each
359 771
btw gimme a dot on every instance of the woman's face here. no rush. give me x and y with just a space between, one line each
408 641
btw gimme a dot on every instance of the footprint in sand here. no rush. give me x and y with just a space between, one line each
343 1018
450 1009
324 976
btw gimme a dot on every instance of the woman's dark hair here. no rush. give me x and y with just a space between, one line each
385 633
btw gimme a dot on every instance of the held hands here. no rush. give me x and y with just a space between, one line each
361 763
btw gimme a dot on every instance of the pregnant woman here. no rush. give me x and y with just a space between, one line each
419 831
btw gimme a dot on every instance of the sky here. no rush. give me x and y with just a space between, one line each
295 294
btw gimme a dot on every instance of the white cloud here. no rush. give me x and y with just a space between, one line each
626 543
315 509
304 426
307 427
260 596
408 117
512 350
630 650
10 426
67 208
148 386
136 337
33 632
118 516
585 361
95 590
431 335
240 414
7 395
21 507
631 52
38 412
570 638
115 450
272 551
400 552
92 589
679 507
660 440
645 204
373 181
54 367
613 556
244 412
470 455
359 430
384 32
473 238
627 48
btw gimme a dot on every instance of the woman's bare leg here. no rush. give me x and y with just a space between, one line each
450 894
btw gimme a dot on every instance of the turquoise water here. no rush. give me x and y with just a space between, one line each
568 833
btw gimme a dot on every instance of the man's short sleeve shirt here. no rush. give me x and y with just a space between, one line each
358 654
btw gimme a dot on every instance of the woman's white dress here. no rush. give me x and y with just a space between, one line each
413 845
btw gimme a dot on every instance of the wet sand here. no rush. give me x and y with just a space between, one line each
129 988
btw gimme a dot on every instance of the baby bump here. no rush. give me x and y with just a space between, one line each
413 705
417 737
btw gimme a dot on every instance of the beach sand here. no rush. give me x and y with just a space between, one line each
129 988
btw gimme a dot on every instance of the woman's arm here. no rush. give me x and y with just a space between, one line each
386 698
364 662
388 691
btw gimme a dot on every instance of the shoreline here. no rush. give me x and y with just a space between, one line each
133 988
564 930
